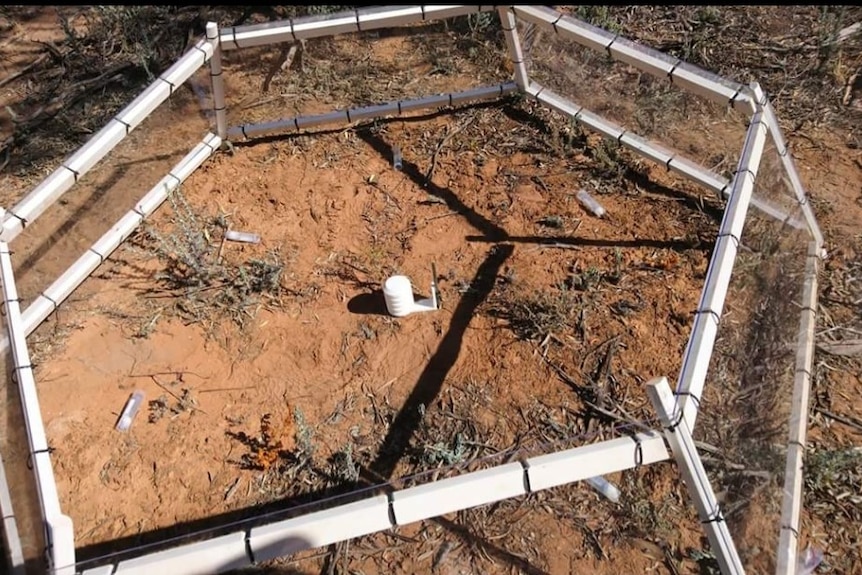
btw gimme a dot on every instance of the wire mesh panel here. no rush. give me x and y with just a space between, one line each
598 81
347 71
50 244
746 405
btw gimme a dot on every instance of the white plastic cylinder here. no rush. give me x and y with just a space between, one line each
398 293
605 487
590 203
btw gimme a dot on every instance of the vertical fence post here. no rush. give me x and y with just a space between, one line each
219 104
516 51
678 436
791 507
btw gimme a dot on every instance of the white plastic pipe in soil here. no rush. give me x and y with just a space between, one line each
513 43
651 150
219 101
348 116
357 20
379 512
792 173
701 342
791 507
63 286
83 160
59 534
11 539
688 77
678 435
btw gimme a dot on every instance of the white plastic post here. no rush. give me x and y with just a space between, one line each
516 51
219 102
701 342
12 540
59 534
678 435
791 507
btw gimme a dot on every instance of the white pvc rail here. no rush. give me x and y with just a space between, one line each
359 20
390 109
245 548
516 53
219 101
701 342
678 435
82 161
59 534
11 538
791 507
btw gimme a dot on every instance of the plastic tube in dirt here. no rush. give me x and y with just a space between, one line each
605 487
133 404
396 158
590 203
245 237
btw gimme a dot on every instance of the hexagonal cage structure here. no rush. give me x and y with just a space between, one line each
766 187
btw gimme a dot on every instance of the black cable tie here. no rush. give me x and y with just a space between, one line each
202 51
50 299
639 451
75 173
672 70
126 124
554 23
680 417
171 92
694 398
733 98
709 311
717 516
731 236
753 175
792 529
608 47
101 257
